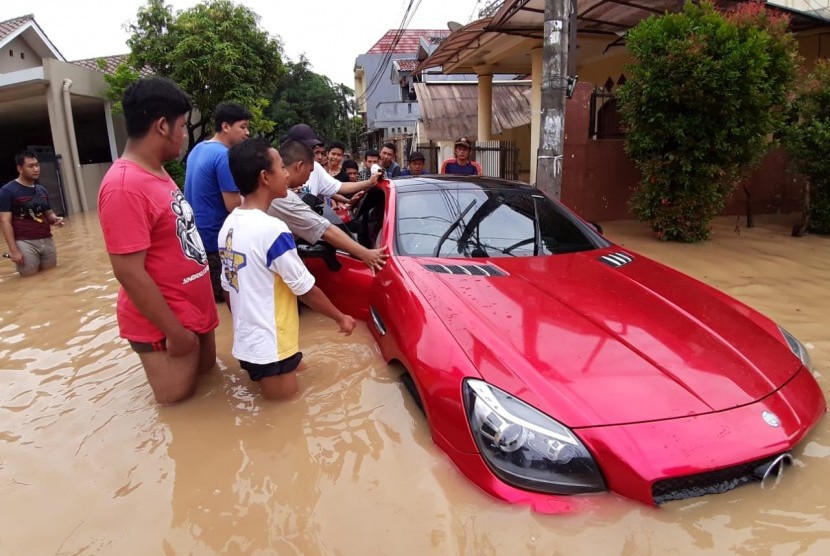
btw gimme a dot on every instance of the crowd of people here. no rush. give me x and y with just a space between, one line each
228 237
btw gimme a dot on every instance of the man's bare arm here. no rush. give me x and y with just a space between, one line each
373 258
231 200
347 188
8 233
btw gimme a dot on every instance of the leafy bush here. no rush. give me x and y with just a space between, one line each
808 142
698 107
176 170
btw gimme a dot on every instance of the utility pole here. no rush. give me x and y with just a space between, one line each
555 86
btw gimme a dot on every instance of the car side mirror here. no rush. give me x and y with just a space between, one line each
320 250
597 228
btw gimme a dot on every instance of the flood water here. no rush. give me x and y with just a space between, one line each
90 465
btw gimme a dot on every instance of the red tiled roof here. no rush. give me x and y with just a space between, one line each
406 64
110 63
409 41
11 25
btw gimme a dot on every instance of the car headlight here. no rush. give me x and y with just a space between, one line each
526 448
797 348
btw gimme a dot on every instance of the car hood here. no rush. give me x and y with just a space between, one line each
605 337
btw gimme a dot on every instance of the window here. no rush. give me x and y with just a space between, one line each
485 222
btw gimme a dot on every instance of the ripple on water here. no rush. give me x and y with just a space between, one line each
87 452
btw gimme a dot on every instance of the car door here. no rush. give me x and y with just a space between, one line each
349 286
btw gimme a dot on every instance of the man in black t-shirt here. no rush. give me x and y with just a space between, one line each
26 218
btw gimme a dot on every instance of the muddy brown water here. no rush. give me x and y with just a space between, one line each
90 465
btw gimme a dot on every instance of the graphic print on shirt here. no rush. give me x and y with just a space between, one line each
232 262
191 243
32 207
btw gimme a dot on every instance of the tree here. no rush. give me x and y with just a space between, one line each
808 142
215 51
707 91
303 96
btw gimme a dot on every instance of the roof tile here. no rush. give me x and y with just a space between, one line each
409 41
11 25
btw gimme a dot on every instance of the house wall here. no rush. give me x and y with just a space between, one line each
11 60
384 90
598 177
84 83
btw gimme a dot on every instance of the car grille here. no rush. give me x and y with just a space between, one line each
466 269
711 482
616 259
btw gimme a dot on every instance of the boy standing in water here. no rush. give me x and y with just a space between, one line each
263 276
165 304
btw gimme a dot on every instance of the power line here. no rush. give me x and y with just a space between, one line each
407 18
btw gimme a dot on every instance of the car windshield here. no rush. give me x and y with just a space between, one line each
487 222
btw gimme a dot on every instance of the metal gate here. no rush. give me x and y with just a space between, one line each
498 159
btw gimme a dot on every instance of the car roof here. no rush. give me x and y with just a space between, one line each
433 182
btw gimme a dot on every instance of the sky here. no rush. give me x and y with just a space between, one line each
331 33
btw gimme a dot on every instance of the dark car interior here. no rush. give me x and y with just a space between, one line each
364 227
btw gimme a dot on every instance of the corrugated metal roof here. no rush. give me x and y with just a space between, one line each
11 25
451 109
409 41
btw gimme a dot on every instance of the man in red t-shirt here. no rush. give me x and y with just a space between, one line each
165 304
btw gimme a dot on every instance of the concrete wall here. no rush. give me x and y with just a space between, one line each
18 55
85 83
92 176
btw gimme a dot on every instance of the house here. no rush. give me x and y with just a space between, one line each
598 178
59 109
407 109
383 87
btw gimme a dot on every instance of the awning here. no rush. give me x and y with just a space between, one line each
450 110
503 41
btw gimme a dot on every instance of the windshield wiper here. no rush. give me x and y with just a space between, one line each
452 227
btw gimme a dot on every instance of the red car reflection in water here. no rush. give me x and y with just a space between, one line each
551 363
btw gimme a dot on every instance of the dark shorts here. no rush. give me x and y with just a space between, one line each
257 372
146 347
215 265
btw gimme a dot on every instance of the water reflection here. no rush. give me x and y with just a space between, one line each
89 464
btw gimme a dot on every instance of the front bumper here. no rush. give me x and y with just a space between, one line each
634 457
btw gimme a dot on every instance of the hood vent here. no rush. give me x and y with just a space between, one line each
616 260
466 270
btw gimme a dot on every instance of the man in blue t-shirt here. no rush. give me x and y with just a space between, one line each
209 186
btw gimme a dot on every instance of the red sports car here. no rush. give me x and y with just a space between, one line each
552 363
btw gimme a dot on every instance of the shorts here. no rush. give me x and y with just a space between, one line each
215 265
38 254
146 347
257 372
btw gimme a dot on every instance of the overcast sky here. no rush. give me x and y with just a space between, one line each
331 33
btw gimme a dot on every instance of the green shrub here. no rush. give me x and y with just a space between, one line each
698 106
808 142
176 170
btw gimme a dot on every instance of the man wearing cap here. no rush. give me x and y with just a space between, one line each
416 165
310 226
461 165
